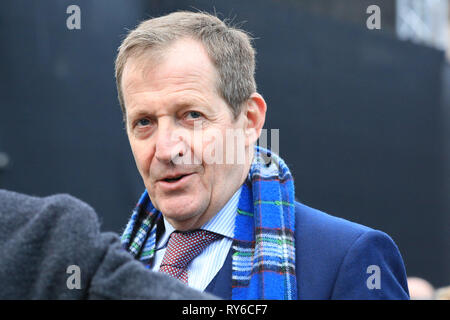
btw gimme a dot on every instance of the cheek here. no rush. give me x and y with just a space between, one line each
142 156
212 146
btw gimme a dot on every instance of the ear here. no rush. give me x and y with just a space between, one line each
255 114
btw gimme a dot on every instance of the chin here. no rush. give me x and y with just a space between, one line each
181 208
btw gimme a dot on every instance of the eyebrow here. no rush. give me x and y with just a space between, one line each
141 112
138 114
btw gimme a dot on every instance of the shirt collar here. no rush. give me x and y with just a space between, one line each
222 223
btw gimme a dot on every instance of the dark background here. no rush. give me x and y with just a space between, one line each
363 117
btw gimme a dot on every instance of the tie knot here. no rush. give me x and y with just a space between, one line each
182 248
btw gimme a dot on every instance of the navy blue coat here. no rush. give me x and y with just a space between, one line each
336 259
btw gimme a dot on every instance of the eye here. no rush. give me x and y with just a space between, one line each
193 115
143 122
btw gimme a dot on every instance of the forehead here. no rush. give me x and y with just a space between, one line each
184 64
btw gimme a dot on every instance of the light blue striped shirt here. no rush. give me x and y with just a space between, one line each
206 265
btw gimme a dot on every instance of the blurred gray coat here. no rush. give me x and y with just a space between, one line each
40 238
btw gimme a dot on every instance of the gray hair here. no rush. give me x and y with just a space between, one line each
229 48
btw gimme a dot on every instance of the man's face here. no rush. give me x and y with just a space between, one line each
165 101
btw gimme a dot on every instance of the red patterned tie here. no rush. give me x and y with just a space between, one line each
182 248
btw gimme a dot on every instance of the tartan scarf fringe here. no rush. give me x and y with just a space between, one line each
263 248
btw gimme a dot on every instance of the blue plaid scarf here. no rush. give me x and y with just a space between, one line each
263 249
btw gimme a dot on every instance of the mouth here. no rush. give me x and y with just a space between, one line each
175 177
174 182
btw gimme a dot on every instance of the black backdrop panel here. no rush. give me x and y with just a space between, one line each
60 120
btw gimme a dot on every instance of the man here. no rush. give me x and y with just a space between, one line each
51 248
232 228
420 289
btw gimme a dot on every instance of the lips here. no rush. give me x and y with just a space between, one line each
174 177
175 182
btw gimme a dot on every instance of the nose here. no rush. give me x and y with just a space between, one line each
170 143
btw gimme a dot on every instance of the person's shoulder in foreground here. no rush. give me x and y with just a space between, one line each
339 259
45 241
